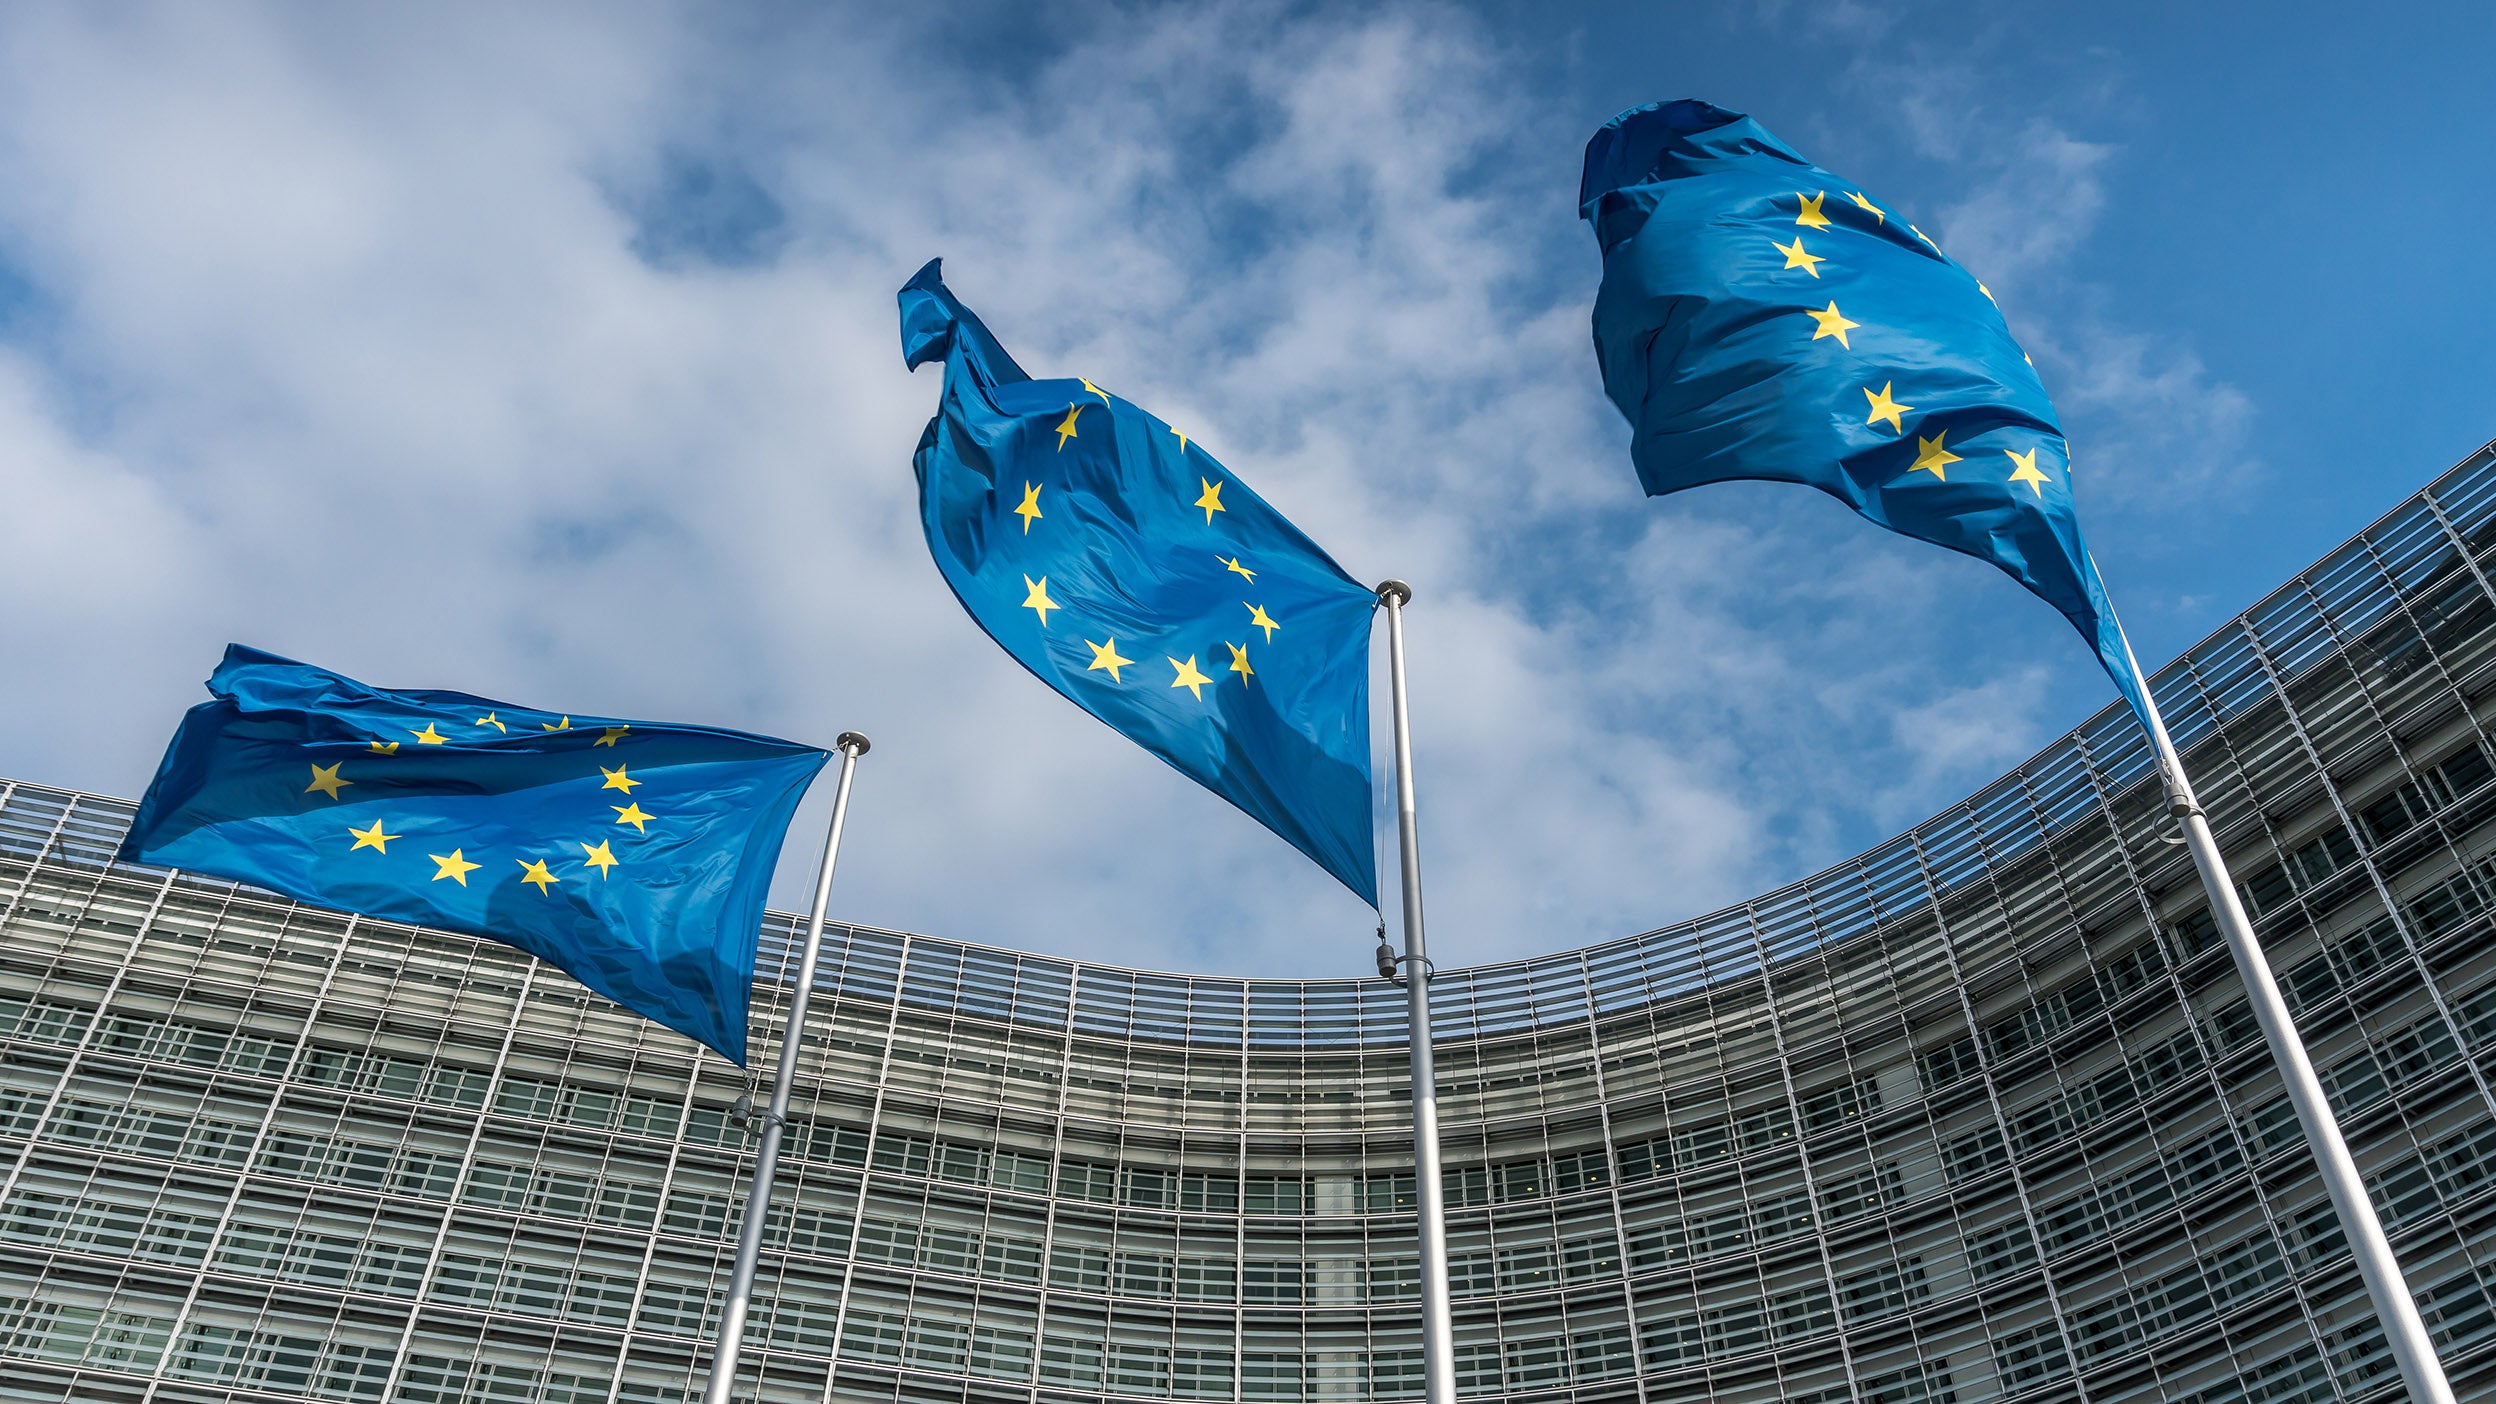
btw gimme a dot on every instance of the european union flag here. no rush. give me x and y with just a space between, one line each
1119 561
1761 318
634 855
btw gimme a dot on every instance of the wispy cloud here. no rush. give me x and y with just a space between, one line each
2151 426
1963 738
2037 198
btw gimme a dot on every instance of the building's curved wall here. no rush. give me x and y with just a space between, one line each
1976 1116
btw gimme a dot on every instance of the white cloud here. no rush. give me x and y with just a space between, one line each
2040 199
2166 432
1964 738
354 359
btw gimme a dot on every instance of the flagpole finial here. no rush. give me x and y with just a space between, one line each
1402 592
852 742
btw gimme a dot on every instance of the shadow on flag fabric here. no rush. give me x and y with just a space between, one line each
634 855
1123 564
1761 318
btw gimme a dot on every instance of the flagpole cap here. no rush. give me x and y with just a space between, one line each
852 742
1397 590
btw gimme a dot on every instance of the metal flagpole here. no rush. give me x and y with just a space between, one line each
792 1037
2412 1349
1438 1330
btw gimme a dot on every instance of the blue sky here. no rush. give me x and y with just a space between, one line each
550 355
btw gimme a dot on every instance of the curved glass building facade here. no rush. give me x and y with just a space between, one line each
1978 1115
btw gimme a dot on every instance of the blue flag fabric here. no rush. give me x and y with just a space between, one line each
1761 318
1119 561
635 856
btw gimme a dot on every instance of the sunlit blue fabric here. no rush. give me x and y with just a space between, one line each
634 855
1070 522
1759 317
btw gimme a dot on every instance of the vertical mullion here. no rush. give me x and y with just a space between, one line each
459 1184
251 1158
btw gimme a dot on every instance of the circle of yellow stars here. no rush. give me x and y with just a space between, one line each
455 866
1185 672
1932 455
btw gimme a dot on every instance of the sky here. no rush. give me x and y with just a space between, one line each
548 353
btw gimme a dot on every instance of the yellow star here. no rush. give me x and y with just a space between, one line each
1927 238
618 780
564 725
1182 441
600 857
1259 619
429 736
1231 564
1239 660
1211 500
372 838
1875 210
456 867
1931 457
632 814
1030 510
533 870
614 734
325 779
1094 389
1988 292
1037 599
1832 323
494 720
2027 472
1189 678
1810 217
385 748
1796 257
1105 659
1883 407
1066 430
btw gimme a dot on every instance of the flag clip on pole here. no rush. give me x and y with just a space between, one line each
1438 1348
792 1037
2412 1349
